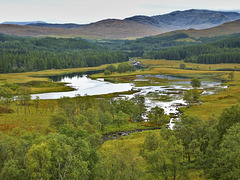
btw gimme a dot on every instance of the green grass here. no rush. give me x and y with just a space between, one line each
134 141
124 127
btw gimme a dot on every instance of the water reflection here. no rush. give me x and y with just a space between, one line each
72 75
84 85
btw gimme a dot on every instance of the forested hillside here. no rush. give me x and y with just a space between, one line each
19 54
218 49
138 47
211 51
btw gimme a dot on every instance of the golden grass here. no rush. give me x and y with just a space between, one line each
175 64
212 105
186 40
134 140
28 118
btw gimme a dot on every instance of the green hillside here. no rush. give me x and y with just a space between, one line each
20 54
211 51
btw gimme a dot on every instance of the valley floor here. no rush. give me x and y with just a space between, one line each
38 119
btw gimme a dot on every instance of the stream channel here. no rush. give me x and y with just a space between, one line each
169 97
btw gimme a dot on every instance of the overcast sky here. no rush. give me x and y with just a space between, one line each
86 11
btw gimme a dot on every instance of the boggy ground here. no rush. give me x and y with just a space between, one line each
212 105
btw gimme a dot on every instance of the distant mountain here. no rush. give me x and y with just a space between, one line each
109 29
197 19
120 29
132 27
224 29
66 26
20 30
193 18
23 23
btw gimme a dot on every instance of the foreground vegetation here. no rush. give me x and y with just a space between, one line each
68 144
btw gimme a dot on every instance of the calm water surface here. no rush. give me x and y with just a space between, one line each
84 85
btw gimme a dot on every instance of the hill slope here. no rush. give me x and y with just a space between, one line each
224 29
198 19
20 54
66 26
103 29
113 28
225 49
193 18
133 27
20 30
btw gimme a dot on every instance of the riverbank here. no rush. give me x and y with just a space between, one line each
38 82
44 84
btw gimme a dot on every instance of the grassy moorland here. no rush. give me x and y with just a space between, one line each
212 105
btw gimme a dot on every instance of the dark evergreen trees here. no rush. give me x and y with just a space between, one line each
220 51
18 54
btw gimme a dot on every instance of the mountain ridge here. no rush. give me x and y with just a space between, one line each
176 20
129 28
223 29
193 18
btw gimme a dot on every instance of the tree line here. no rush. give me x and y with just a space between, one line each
141 46
121 68
20 54
219 51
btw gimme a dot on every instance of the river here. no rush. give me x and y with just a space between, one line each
84 85
169 97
